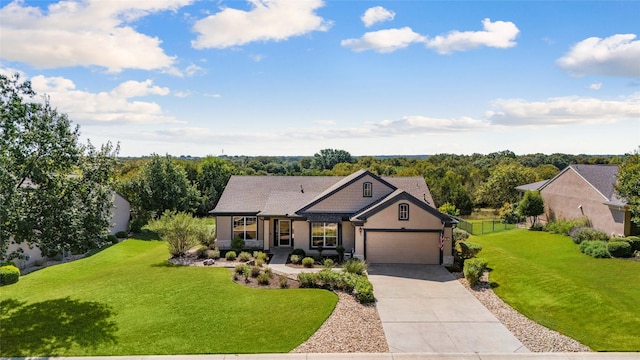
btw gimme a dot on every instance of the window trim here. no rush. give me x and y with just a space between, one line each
244 226
367 191
324 235
403 211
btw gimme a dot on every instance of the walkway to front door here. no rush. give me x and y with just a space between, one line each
423 308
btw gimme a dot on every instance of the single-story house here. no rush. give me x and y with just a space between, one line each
378 219
120 214
586 191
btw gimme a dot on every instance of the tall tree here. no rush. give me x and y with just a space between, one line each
213 175
628 185
326 159
160 185
500 187
54 191
531 205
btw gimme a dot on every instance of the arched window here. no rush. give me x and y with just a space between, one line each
403 211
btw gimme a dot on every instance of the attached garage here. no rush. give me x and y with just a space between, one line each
399 247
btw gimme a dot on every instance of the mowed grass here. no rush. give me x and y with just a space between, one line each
128 300
545 277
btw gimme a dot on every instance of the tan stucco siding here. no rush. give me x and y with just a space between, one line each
564 196
301 235
348 236
350 198
223 227
418 218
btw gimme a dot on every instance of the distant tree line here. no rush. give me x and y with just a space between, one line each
462 182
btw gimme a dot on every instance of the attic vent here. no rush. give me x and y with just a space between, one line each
301 189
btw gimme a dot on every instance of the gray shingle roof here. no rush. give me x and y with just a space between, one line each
281 195
601 177
533 186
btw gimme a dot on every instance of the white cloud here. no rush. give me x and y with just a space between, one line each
617 55
114 106
193 69
268 20
595 86
498 34
422 124
384 41
376 15
215 96
182 94
564 110
83 33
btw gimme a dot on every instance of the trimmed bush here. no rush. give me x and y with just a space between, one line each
263 279
467 250
564 226
231 255
459 235
295 259
307 280
364 291
308 262
340 250
112 239
596 248
122 234
9 274
244 256
239 268
212 254
259 255
473 269
269 272
237 244
355 266
328 263
580 234
299 252
255 271
620 249
634 241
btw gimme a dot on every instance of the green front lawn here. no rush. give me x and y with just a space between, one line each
546 278
128 300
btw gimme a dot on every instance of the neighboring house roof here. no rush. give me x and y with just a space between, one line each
533 186
285 195
601 177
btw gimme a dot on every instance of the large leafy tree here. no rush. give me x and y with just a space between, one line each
628 185
500 187
160 185
326 159
213 175
54 191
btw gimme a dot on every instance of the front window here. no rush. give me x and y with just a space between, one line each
245 227
367 189
324 234
403 212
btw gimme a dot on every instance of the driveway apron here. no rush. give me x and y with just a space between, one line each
423 308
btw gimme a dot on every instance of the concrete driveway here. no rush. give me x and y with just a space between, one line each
423 308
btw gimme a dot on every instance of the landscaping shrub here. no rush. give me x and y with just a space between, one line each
467 250
580 234
340 250
295 259
9 274
595 248
634 241
620 249
564 226
259 255
459 235
284 281
255 271
244 256
269 272
231 255
263 279
212 254
364 291
122 235
355 266
259 262
239 268
112 239
473 269
237 244
327 278
299 252
308 262
328 263
347 282
179 230
307 280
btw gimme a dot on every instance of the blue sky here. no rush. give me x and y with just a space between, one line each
291 77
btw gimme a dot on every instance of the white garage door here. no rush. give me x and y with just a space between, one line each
403 248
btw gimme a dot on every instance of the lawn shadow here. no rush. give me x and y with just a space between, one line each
167 263
146 234
51 327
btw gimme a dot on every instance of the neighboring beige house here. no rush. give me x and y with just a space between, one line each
378 219
586 191
120 214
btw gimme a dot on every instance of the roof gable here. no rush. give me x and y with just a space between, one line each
601 178
396 196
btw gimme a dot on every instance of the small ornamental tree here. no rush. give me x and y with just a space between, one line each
181 231
509 213
449 209
531 206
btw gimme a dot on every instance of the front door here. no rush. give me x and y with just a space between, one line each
283 235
